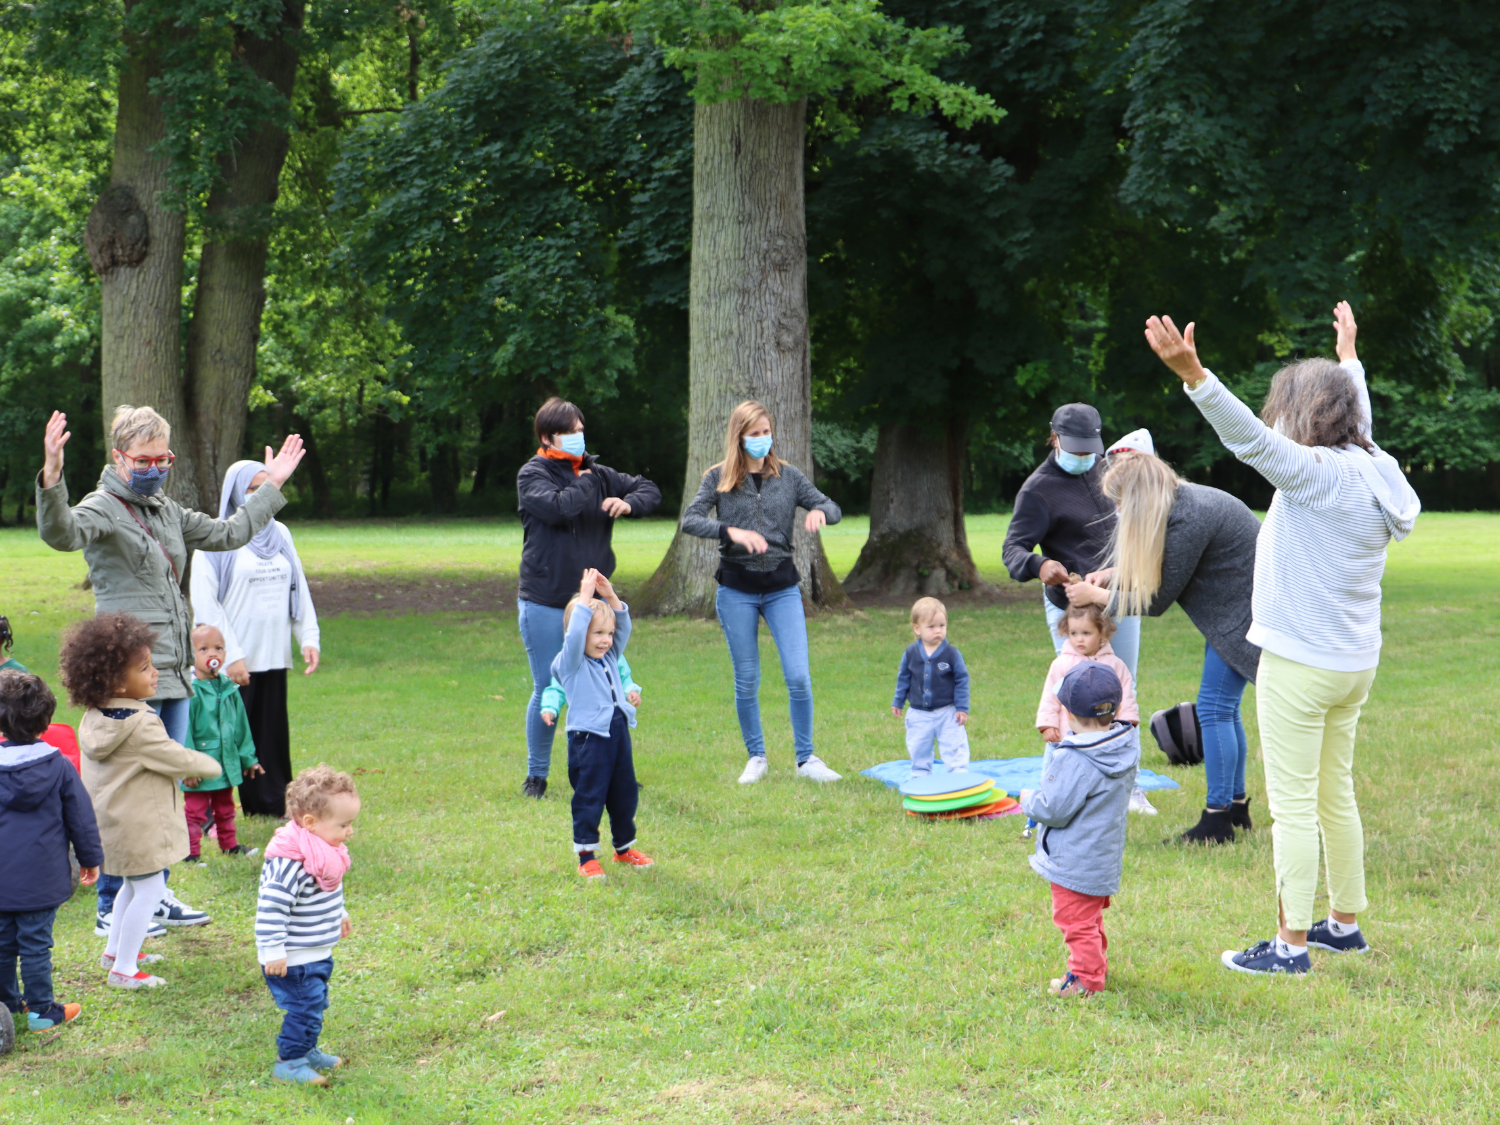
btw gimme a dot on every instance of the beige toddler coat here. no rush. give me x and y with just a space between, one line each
130 768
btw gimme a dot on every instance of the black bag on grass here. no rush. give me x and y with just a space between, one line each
1178 734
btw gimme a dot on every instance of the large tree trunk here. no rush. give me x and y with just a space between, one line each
225 328
748 327
135 244
917 542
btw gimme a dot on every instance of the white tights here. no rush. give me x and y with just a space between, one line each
134 907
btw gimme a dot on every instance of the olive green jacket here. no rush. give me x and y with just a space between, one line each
130 573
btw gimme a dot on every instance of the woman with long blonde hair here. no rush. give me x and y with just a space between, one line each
749 502
1185 544
1316 616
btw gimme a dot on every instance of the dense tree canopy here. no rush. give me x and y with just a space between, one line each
484 203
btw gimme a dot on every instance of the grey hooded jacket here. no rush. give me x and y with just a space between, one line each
1081 806
131 573
770 510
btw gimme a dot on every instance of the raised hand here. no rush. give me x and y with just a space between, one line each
606 591
54 438
589 584
279 466
1176 349
1346 329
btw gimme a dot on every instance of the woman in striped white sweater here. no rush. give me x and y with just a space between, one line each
1315 615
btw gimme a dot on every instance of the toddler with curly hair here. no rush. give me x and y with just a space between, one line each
130 768
300 915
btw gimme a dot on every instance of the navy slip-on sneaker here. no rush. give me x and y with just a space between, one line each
1321 936
1262 958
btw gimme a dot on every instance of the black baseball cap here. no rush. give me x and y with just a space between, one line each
1091 691
1078 428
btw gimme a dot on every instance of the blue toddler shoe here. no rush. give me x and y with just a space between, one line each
1320 935
320 1060
297 1070
1263 958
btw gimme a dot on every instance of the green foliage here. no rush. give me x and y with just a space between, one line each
839 51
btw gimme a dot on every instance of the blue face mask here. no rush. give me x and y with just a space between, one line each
757 447
571 444
1075 463
147 482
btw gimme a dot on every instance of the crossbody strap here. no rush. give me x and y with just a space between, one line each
142 525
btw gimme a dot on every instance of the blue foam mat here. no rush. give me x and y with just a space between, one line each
1010 774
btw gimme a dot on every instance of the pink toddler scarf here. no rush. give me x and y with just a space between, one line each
324 862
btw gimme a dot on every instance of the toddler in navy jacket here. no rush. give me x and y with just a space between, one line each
43 808
600 766
933 677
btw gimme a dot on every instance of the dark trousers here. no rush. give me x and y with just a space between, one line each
265 707
602 773
26 938
303 995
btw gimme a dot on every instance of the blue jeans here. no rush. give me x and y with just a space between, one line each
174 716
1224 746
303 995
26 938
602 773
1126 642
739 617
542 634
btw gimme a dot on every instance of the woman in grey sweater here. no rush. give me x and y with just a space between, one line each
749 502
1183 543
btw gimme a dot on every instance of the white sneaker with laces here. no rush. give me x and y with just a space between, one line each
172 911
1139 804
815 769
755 769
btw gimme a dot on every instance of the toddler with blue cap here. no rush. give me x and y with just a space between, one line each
1081 808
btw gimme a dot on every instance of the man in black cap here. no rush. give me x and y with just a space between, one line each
1063 509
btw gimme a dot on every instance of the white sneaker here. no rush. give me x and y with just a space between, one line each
107 960
102 923
755 769
139 980
815 769
1139 804
172 911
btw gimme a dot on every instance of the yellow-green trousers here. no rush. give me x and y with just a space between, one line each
1308 719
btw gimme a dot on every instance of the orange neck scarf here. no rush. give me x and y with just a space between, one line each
558 455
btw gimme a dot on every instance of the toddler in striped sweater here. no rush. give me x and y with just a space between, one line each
300 915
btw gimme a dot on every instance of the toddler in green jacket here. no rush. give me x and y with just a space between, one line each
553 699
219 727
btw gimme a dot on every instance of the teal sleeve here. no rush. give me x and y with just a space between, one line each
553 698
626 680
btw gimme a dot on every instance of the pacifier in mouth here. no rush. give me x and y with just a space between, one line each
213 663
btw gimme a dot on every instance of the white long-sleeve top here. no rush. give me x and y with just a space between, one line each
1321 552
255 615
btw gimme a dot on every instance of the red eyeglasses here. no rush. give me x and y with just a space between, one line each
145 464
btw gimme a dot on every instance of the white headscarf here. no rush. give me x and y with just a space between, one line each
269 541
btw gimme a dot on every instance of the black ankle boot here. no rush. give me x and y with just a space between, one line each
1239 814
534 787
1212 828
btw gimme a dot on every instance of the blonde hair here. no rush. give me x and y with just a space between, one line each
596 604
1095 613
310 792
924 610
736 463
1144 488
137 424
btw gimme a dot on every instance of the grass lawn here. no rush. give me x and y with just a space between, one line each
799 953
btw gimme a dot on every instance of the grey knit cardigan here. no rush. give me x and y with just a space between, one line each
1208 568
770 510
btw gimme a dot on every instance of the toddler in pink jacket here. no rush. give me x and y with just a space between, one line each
1085 630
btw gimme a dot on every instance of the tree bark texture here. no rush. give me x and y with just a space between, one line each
917 544
136 244
748 327
225 328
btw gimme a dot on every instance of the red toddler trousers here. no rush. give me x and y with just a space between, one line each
197 805
1081 920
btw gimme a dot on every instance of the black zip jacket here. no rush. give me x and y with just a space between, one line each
1068 515
43 808
565 530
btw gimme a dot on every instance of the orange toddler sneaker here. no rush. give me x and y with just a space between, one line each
634 858
591 870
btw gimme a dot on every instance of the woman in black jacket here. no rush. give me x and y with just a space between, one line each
569 503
